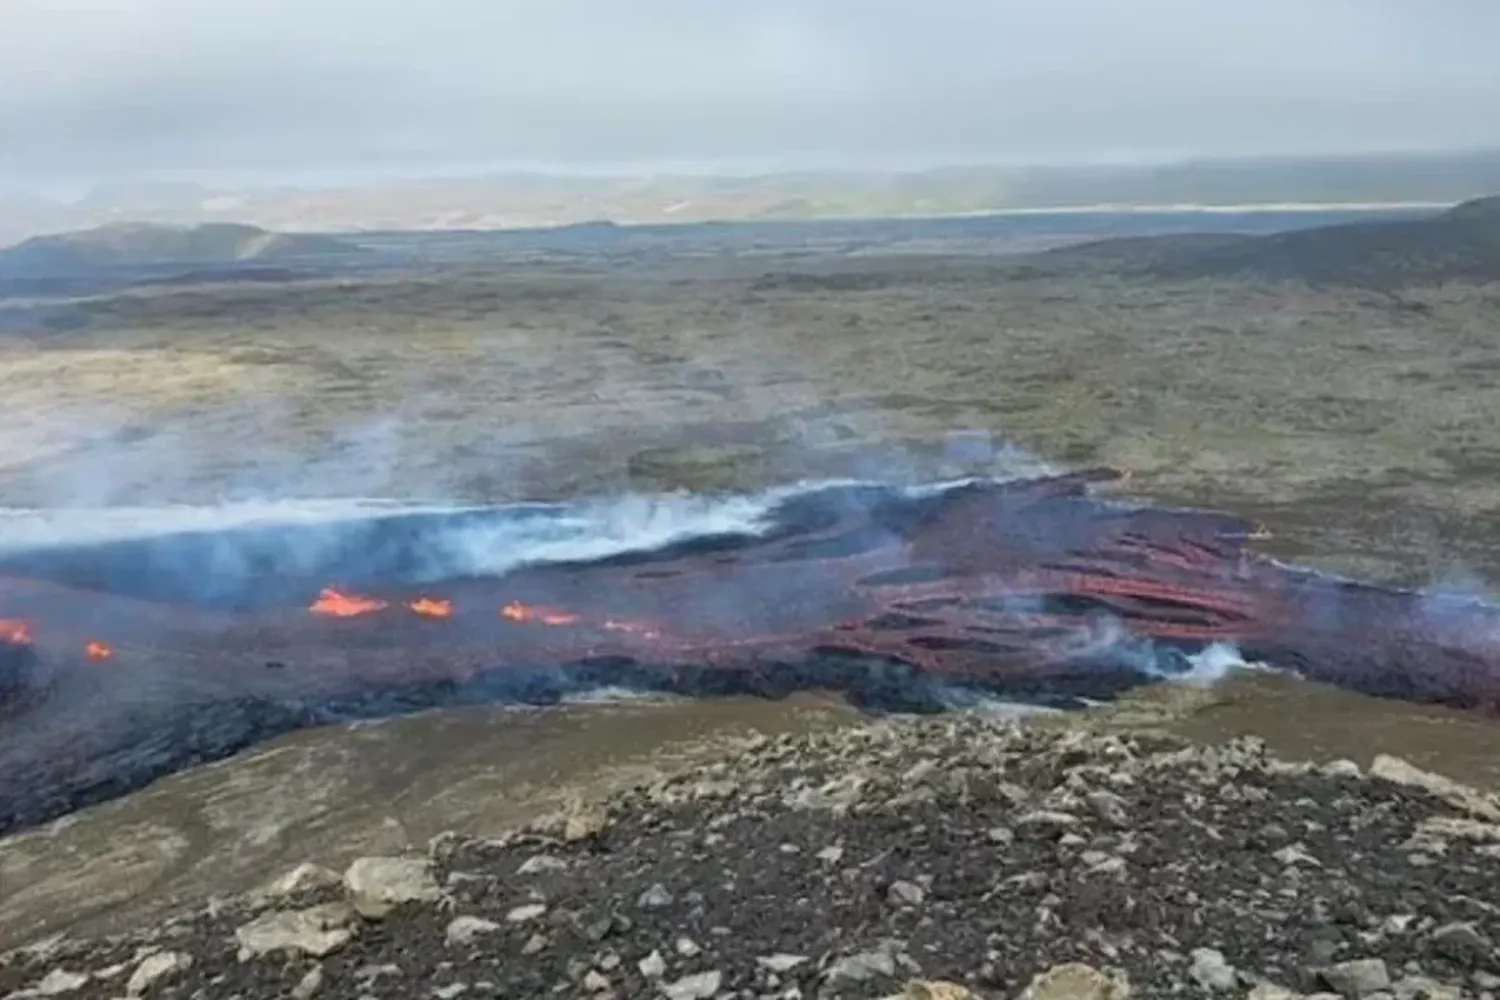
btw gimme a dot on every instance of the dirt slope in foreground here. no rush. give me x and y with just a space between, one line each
847 863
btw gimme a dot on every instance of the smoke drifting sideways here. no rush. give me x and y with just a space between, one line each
254 507
287 523
288 527
252 450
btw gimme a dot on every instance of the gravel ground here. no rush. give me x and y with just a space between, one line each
934 858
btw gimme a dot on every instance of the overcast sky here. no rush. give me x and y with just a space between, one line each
94 89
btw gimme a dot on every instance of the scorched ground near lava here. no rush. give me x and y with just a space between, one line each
132 653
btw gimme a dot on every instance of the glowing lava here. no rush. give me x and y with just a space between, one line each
98 651
15 631
432 607
337 604
517 612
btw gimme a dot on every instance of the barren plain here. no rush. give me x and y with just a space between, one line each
1360 425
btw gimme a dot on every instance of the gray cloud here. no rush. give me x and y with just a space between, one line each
93 89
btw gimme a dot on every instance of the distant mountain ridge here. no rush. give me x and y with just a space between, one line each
1462 243
530 200
146 244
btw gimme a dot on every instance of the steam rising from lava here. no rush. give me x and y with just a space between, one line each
219 553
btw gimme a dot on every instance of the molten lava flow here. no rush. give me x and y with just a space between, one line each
432 607
15 631
337 604
1027 589
98 651
517 612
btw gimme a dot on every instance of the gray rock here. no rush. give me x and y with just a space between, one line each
1272 833
1436 833
306 877
904 893
114 971
1109 807
935 989
712 789
699 986
781 962
1270 991
653 966
1028 882
368 975
539 863
863 966
57 982
525 913
837 796
583 822
463 930
316 930
154 967
309 984
654 898
1342 768
919 772
1357 978
1211 970
380 884
1402 772
595 981
1053 821
1100 863
1460 941
1076 981
1423 988
1397 923
1296 854
687 947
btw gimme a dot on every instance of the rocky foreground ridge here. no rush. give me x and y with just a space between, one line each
936 859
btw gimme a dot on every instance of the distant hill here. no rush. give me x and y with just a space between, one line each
140 244
1462 243
520 200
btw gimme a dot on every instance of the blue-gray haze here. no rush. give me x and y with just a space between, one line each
99 88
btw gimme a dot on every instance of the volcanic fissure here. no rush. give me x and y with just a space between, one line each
126 660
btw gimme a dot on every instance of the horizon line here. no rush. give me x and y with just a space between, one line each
741 170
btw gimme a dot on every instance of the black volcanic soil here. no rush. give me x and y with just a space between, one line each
845 864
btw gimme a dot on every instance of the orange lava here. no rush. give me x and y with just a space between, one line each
15 631
337 604
98 651
518 612
432 607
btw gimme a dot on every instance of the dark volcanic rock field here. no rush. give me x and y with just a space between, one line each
933 859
